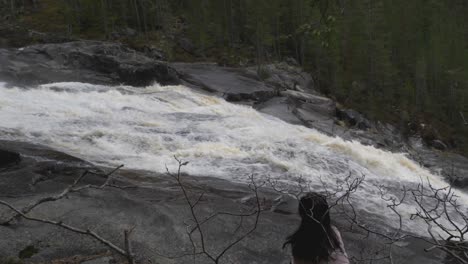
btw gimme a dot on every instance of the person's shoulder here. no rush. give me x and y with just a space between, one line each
336 230
338 258
341 244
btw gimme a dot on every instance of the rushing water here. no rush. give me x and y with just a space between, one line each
144 128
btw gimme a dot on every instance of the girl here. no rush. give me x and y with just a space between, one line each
316 241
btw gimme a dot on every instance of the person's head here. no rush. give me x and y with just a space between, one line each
314 240
314 207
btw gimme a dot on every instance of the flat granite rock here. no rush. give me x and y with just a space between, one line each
155 208
82 61
223 80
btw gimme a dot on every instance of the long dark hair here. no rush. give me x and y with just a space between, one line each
315 239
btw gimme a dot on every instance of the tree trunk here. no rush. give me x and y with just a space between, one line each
104 18
12 7
137 14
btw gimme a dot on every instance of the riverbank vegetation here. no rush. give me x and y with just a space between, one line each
396 61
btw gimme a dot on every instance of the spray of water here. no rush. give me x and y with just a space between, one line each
144 128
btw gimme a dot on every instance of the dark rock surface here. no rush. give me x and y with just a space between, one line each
186 45
156 207
154 52
85 61
157 210
353 118
451 165
438 144
8 158
235 84
288 94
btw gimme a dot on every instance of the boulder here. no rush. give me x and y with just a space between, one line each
454 167
244 84
291 61
279 107
84 61
353 118
187 45
438 144
154 53
235 83
284 76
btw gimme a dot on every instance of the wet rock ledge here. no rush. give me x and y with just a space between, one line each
82 61
155 207
289 93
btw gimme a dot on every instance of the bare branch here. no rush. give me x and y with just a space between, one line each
191 205
128 247
127 252
254 187
70 189
86 232
198 223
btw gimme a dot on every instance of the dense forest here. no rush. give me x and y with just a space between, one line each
404 62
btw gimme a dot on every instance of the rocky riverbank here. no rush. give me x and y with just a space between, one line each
155 204
91 61
288 93
156 208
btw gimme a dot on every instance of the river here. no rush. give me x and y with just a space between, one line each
144 128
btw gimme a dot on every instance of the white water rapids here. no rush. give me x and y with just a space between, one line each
144 128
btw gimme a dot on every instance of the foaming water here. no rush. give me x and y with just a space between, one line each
144 128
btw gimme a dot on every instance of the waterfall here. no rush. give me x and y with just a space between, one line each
144 128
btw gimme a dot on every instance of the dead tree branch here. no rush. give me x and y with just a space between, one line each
70 189
23 213
128 246
439 208
68 227
198 222
446 219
